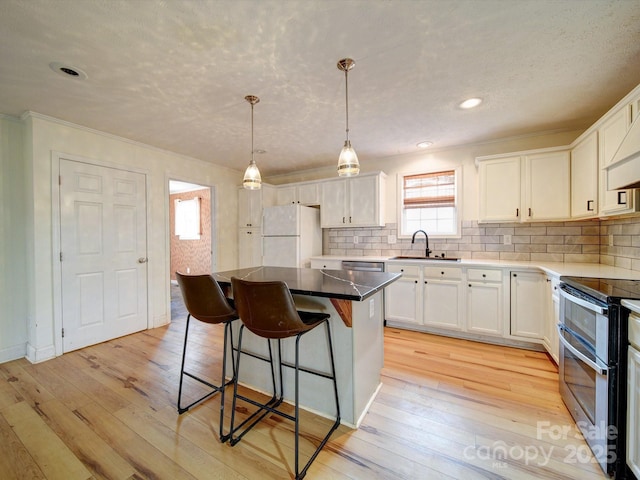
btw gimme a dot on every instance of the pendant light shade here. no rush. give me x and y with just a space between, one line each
252 179
348 164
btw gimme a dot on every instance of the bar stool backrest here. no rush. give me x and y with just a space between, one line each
204 298
267 308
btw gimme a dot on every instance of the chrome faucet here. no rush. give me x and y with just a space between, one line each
426 239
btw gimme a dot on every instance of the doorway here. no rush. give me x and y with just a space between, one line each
190 229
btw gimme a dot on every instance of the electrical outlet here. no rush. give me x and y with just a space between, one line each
355 239
372 308
188 270
391 239
611 240
506 239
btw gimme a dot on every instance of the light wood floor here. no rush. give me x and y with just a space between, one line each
448 409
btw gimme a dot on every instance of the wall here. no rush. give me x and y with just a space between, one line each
191 256
44 135
13 204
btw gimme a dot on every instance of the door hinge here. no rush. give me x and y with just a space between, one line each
63 333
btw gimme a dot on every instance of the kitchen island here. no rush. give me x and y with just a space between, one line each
355 302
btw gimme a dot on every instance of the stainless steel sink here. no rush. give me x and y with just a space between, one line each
428 259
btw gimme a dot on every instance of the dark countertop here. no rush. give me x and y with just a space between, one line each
340 284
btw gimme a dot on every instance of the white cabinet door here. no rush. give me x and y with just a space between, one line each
249 208
403 298
249 247
610 135
441 304
528 304
584 178
308 194
550 338
500 190
633 411
286 195
364 201
547 186
484 308
334 202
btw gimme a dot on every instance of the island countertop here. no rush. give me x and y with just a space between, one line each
338 284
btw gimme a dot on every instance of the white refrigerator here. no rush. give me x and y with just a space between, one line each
291 235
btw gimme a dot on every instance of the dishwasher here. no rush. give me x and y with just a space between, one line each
363 266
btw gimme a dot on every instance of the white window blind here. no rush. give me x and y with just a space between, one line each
187 219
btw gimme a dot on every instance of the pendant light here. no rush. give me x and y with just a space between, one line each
252 179
348 164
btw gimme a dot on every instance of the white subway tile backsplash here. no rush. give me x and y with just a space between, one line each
582 241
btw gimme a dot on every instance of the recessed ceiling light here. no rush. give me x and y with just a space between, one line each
67 70
470 103
426 144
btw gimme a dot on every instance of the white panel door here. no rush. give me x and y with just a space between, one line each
103 250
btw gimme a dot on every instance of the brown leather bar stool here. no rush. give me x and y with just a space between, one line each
267 309
206 302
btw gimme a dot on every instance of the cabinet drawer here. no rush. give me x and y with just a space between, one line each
634 330
411 270
443 272
324 264
484 275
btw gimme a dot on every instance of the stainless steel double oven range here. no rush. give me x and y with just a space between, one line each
593 352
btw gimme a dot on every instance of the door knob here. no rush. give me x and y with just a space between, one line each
142 260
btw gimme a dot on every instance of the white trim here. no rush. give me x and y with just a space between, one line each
55 241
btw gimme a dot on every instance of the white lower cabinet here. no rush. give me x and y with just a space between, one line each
528 304
442 298
484 301
550 338
403 298
326 264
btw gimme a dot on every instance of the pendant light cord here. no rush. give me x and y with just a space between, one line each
252 150
346 96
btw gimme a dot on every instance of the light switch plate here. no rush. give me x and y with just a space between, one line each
391 239
506 239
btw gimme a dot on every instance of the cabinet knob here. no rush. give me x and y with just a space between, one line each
517 212
589 205
484 275
425 282
529 211
441 273
415 281
469 285
515 275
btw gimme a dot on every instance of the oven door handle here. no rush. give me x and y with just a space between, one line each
602 370
583 303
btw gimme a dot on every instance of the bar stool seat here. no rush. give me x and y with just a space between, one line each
267 309
205 301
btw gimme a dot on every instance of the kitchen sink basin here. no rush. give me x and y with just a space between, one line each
428 259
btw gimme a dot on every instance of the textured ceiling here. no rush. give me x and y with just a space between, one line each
174 73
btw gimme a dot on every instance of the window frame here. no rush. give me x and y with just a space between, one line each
458 200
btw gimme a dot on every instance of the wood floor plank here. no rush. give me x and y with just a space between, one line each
15 462
52 456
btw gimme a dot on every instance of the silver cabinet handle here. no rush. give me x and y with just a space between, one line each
143 260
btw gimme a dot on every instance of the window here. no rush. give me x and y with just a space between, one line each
429 201
187 214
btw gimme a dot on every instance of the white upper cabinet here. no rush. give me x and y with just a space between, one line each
547 187
304 193
249 208
584 177
353 202
500 190
610 135
251 203
524 188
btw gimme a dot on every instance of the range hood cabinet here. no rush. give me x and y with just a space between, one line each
624 169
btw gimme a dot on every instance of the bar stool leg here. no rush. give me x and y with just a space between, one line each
227 332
